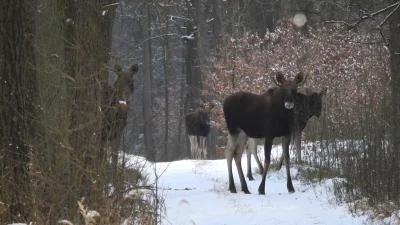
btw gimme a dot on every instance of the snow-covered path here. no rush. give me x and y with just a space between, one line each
207 199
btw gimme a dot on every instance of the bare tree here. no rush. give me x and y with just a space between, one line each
167 75
147 91
383 18
18 107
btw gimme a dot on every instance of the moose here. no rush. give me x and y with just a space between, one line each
123 86
267 116
115 109
307 105
197 127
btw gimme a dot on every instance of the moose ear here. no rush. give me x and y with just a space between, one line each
300 78
117 68
279 79
323 92
308 91
134 68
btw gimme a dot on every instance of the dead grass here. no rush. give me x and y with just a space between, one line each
380 214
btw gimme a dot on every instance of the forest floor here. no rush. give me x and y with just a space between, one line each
196 193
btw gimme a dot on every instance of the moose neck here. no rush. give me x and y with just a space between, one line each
302 111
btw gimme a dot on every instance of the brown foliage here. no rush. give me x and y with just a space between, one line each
351 71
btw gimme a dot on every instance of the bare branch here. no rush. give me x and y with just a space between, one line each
390 14
364 16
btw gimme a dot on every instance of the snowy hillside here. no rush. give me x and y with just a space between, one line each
196 192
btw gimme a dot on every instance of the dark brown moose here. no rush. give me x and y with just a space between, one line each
267 116
307 105
115 109
197 127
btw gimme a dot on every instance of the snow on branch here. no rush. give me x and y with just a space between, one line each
188 37
110 6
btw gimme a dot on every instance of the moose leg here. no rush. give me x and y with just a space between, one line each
196 146
199 147
241 143
238 162
255 154
229 152
198 150
281 161
267 161
204 148
297 143
285 147
192 146
248 157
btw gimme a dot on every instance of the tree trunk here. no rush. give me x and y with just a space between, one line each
167 74
147 92
394 42
193 79
217 24
17 100
182 145
52 97
203 45
87 46
203 52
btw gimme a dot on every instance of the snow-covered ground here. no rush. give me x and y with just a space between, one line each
196 192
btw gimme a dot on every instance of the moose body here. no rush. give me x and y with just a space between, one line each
115 109
268 115
116 99
198 123
307 105
197 127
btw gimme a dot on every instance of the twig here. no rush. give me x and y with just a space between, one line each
371 16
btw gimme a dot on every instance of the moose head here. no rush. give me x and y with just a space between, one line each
206 111
289 87
315 101
123 86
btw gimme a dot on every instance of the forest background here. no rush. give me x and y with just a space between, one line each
61 131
